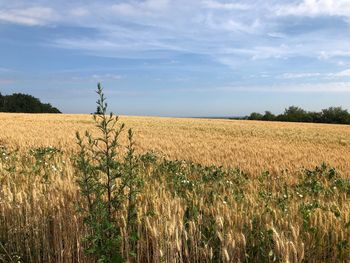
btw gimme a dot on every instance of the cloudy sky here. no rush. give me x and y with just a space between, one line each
178 57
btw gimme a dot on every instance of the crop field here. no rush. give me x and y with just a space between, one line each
212 191
252 146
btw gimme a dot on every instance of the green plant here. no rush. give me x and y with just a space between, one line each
260 242
107 185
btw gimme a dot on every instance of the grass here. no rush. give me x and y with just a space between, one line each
271 209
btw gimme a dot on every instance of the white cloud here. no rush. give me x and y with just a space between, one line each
124 9
300 75
327 76
94 78
134 8
232 25
332 87
156 4
317 8
86 44
236 34
259 52
32 16
344 73
107 76
225 6
80 12
201 27
317 87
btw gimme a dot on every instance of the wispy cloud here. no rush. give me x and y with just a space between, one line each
344 73
332 87
299 75
315 75
106 76
241 38
316 8
72 77
226 6
79 12
222 30
31 16
135 8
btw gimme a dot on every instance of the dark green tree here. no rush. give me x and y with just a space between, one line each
255 116
335 115
296 114
98 110
268 116
315 116
1 102
24 103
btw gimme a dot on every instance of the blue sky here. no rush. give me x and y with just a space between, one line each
178 58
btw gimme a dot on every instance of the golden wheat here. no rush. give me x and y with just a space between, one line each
39 218
250 145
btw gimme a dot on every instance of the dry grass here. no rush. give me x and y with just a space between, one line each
183 217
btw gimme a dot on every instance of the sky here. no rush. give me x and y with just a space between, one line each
178 57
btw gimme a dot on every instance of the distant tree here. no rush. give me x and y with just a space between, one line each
19 102
315 116
268 116
255 116
280 117
1 102
47 107
335 115
98 111
295 114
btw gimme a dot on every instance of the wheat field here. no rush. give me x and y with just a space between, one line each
252 146
188 211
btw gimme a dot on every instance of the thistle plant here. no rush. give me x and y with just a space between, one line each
108 184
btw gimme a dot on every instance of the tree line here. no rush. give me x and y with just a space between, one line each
336 115
24 103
